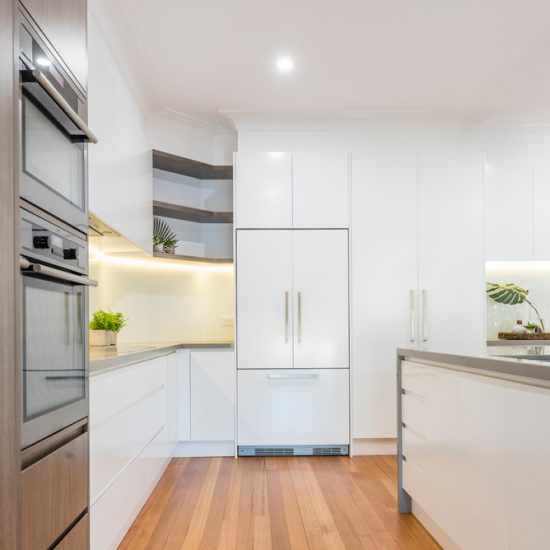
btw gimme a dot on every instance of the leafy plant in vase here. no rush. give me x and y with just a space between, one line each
164 239
105 326
512 294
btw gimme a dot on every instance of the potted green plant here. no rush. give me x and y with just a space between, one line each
105 326
164 239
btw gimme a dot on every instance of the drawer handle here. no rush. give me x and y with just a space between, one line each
293 376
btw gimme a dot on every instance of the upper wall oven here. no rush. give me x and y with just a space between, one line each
54 133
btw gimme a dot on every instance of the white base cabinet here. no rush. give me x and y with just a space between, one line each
476 457
293 407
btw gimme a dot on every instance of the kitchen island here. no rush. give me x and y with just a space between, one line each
474 445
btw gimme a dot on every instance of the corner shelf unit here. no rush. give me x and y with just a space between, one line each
183 168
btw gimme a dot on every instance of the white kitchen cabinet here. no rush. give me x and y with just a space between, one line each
383 284
451 267
482 448
179 396
320 189
264 294
320 304
292 299
541 200
298 407
300 190
527 471
509 207
212 395
263 190
120 166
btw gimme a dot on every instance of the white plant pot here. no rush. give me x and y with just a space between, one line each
158 248
99 338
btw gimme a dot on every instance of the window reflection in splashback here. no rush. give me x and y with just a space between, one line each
534 276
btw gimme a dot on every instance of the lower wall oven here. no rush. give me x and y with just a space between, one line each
54 375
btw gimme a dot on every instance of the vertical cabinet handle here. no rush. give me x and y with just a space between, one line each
286 316
424 315
67 336
299 316
412 316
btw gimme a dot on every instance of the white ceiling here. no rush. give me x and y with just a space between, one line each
200 57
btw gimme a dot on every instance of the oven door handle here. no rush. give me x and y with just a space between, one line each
56 273
60 101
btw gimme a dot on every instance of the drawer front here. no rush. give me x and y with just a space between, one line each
414 413
415 450
78 538
293 407
416 484
54 492
415 377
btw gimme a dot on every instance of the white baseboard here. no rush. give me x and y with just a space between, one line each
431 526
205 448
387 446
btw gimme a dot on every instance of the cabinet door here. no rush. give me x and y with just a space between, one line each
264 295
212 396
482 463
320 190
263 190
527 471
508 211
179 396
64 24
384 282
451 258
541 200
307 407
321 308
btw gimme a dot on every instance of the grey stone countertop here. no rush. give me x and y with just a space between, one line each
107 358
529 363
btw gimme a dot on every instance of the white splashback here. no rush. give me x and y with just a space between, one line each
534 276
162 303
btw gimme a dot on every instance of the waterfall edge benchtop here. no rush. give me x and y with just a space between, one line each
529 364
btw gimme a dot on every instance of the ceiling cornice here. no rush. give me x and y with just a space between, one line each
353 120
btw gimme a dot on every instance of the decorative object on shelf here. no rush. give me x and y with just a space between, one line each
511 294
532 327
164 239
105 326
519 328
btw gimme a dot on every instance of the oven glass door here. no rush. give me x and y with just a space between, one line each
54 347
53 166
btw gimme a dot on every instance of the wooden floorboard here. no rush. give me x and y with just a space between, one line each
277 503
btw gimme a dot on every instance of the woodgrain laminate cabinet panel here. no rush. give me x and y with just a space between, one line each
64 22
9 426
78 538
54 492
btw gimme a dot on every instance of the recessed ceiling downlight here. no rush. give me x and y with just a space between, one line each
285 64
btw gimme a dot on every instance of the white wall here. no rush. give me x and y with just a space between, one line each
164 302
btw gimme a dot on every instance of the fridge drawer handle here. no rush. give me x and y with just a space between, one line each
62 104
293 376
56 273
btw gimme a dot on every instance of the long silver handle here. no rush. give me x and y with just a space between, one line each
66 318
62 103
286 316
299 317
412 315
79 316
424 315
56 273
293 376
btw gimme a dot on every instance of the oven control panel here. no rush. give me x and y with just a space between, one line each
44 241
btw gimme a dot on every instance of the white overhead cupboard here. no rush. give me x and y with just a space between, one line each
418 269
292 281
292 190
